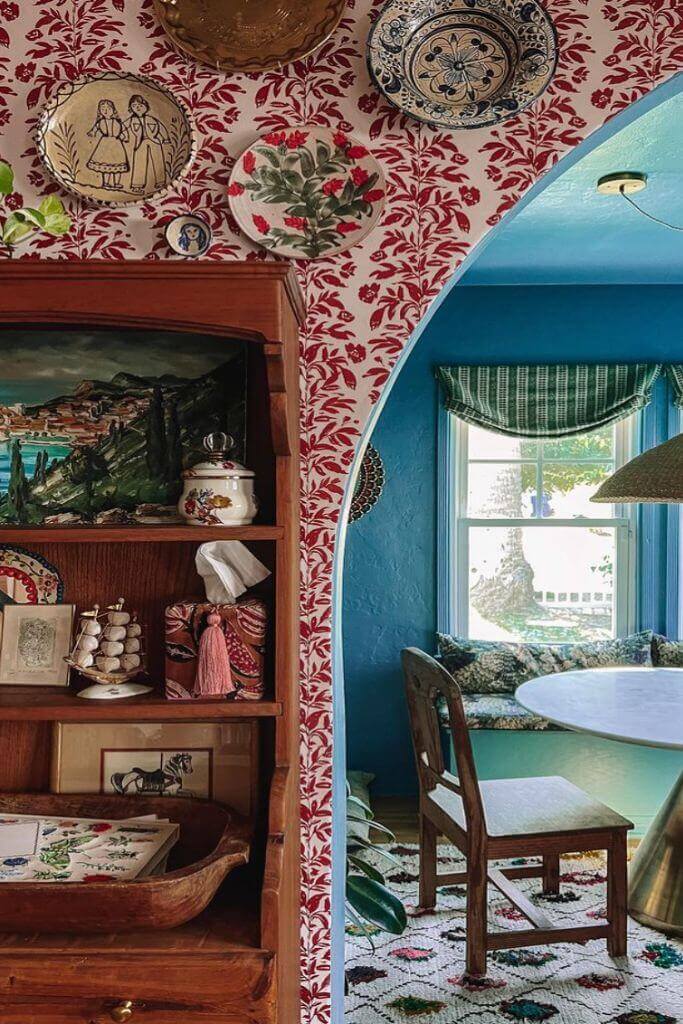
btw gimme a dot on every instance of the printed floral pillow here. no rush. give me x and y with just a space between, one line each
488 666
667 653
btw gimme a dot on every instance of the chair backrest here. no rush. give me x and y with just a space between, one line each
426 680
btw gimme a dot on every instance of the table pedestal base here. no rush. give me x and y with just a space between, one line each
656 874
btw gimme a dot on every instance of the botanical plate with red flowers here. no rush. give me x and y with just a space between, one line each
306 192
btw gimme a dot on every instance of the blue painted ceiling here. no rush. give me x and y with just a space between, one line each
569 234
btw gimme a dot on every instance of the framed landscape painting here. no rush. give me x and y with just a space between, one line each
97 425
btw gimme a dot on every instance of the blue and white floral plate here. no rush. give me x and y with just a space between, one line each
462 63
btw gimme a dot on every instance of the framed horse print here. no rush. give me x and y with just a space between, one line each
209 761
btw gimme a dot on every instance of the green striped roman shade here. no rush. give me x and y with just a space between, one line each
675 374
546 401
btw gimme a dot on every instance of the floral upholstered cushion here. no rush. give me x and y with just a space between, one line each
667 653
496 711
488 666
500 711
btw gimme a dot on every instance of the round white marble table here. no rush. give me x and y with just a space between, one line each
632 705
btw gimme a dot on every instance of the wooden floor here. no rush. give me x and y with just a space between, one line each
400 815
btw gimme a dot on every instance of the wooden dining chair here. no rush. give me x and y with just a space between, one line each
500 819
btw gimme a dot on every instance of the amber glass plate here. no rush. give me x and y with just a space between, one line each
249 35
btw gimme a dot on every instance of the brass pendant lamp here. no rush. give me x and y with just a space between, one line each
656 871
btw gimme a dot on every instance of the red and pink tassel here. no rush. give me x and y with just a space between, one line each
213 678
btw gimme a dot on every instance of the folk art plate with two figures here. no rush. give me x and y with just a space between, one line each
306 192
116 139
462 63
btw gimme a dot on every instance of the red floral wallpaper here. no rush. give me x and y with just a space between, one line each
443 192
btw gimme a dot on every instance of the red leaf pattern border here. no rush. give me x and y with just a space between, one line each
443 192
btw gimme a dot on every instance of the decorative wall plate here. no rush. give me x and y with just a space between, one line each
306 192
369 485
116 139
249 35
188 235
462 63
28 578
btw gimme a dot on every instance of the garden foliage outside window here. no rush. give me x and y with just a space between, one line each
535 559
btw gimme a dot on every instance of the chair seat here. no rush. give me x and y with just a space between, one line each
534 806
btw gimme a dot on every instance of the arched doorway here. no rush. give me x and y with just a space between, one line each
442 319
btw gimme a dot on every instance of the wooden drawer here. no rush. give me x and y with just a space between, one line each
99 1011
209 988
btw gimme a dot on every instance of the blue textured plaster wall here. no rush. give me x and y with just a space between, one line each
390 566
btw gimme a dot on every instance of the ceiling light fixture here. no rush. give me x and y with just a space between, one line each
625 184
654 476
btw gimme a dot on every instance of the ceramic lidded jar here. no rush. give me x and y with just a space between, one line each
218 491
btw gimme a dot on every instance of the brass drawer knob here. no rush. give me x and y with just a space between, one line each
123 1012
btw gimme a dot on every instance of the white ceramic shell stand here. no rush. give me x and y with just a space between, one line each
114 691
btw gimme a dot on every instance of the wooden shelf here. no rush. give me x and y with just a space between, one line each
24 704
135 534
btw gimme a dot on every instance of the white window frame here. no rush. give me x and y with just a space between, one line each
453 592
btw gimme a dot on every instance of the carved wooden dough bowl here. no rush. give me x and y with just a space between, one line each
214 839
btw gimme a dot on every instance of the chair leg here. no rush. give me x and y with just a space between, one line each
475 952
551 872
617 895
427 868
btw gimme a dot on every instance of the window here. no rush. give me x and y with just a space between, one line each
532 558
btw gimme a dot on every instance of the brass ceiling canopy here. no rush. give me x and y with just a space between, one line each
654 476
625 184
620 182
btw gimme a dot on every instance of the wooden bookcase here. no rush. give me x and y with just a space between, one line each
239 962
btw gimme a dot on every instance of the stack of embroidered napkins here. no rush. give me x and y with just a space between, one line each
41 849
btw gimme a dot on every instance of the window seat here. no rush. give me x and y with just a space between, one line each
510 742
502 711
499 711
488 672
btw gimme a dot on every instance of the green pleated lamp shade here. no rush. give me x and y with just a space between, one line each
654 476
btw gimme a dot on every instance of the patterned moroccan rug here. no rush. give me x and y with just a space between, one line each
418 976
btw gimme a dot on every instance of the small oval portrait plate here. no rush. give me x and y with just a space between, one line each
188 235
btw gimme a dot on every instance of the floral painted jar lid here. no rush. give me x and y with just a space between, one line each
306 192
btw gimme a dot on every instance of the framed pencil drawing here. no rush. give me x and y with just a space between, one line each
35 641
209 761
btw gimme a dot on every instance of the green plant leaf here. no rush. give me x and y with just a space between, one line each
373 824
367 869
34 217
374 903
57 220
15 228
6 179
359 923
357 802
365 844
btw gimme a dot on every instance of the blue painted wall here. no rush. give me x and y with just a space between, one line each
390 565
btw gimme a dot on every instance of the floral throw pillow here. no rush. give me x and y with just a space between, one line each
667 653
489 666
